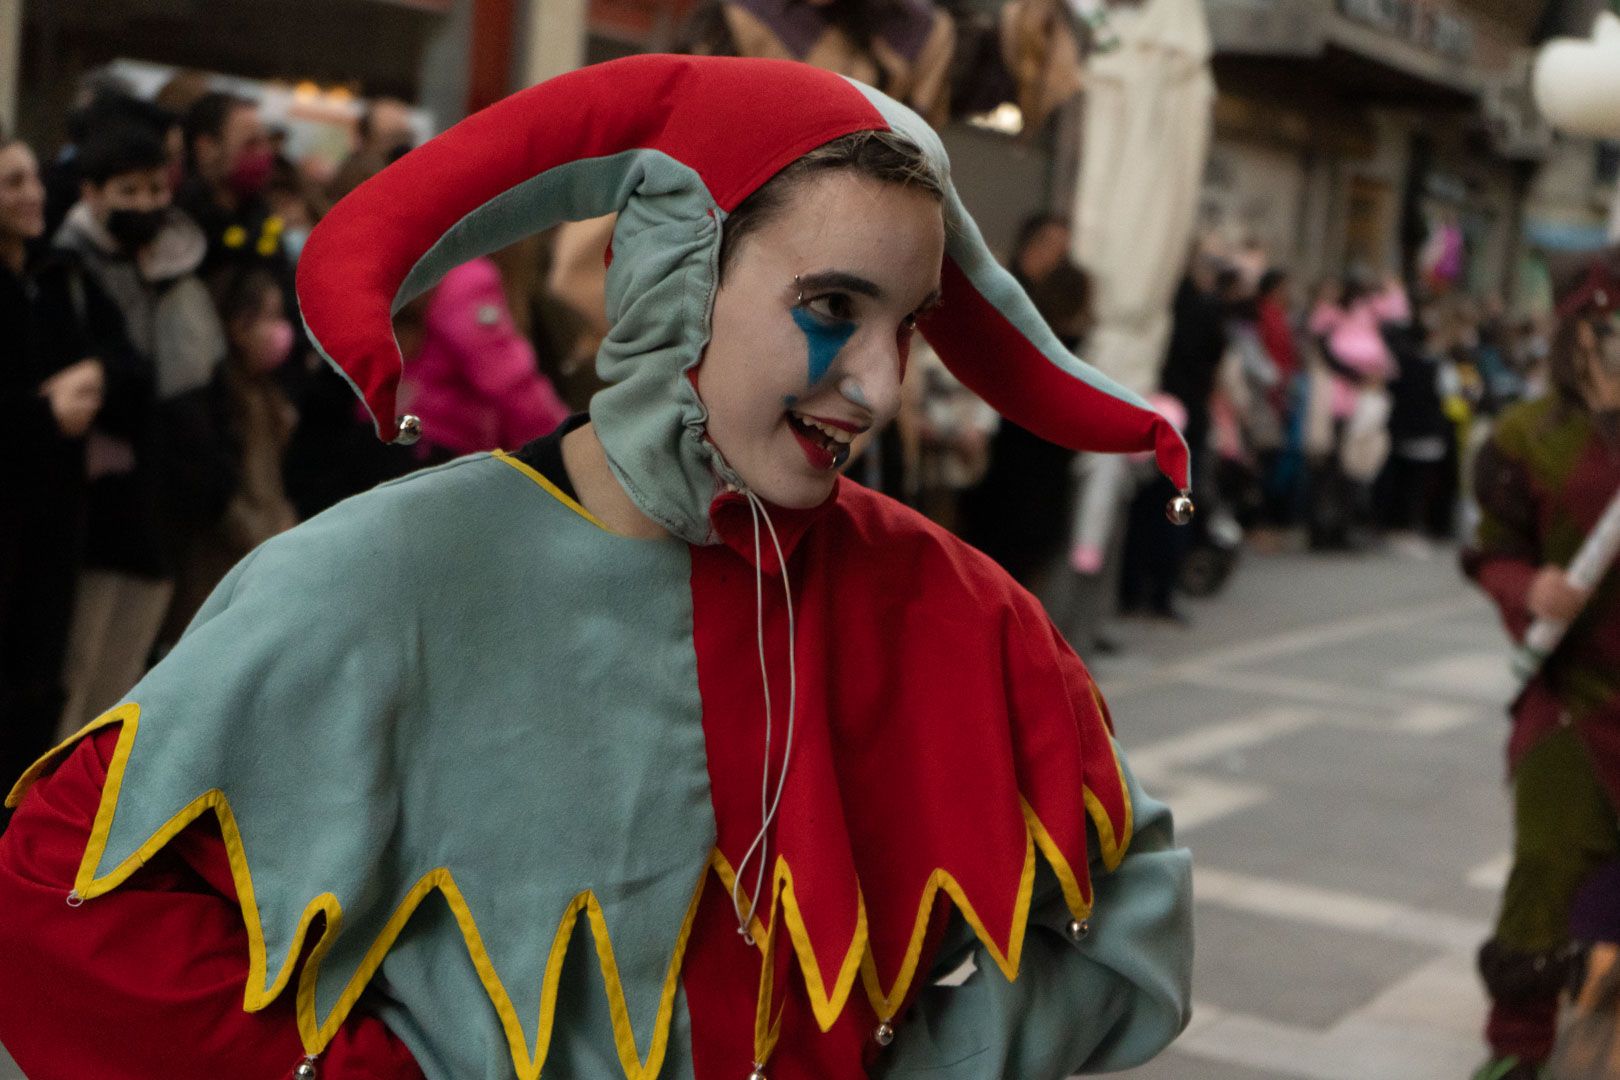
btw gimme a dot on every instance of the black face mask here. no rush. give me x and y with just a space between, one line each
134 229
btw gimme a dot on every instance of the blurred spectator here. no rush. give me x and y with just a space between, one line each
1348 323
104 101
1414 490
945 432
564 345
297 201
228 167
1198 341
183 89
902 47
1019 513
474 381
1281 469
50 391
155 459
257 420
383 135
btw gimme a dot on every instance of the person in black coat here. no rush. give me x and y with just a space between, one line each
50 391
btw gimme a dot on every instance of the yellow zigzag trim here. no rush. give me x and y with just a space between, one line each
317 1035
827 1004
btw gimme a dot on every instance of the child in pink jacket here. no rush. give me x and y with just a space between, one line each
474 382
1351 329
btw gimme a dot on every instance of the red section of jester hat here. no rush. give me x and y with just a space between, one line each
995 360
934 699
718 116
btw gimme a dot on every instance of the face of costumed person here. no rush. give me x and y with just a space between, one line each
812 326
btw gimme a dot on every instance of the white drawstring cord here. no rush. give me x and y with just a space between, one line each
768 804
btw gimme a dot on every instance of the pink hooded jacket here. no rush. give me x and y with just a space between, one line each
1356 341
474 383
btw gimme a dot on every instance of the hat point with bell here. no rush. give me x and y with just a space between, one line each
698 135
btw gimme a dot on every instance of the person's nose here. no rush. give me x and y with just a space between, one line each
871 378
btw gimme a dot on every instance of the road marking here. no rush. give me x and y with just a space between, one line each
1339 910
1197 801
1481 677
1293 641
1423 1027
1215 740
1492 874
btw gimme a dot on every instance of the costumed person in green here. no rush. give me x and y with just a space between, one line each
1543 481
653 749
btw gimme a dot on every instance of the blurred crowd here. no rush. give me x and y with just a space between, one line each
165 413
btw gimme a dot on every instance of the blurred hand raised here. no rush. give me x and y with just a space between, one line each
1553 597
75 396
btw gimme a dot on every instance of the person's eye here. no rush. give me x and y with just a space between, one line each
833 307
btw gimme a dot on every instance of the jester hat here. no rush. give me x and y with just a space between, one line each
673 144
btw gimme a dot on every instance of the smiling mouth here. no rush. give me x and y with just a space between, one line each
825 446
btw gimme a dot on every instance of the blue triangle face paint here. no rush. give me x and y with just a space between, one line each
824 340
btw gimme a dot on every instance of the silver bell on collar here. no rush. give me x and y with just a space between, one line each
410 430
758 1073
306 1070
1078 930
1180 509
884 1035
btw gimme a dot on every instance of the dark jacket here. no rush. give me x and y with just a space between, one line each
159 459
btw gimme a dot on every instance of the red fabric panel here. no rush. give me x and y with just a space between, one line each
995 360
721 116
1526 1031
932 694
1507 582
721 979
146 981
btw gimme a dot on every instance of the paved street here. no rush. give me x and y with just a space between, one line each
1329 733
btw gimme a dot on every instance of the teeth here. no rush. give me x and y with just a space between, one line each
837 435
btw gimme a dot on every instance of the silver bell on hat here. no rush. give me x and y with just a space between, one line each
884 1035
1180 509
306 1070
410 429
758 1073
1078 930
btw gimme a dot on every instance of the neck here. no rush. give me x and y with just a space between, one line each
600 491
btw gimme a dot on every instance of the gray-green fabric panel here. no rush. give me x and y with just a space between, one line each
582 1045
1108 1003
965 246
431 675
660 288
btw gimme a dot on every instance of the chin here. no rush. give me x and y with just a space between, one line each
796 493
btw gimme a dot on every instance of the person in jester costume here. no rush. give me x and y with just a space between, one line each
1547 475
653 748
